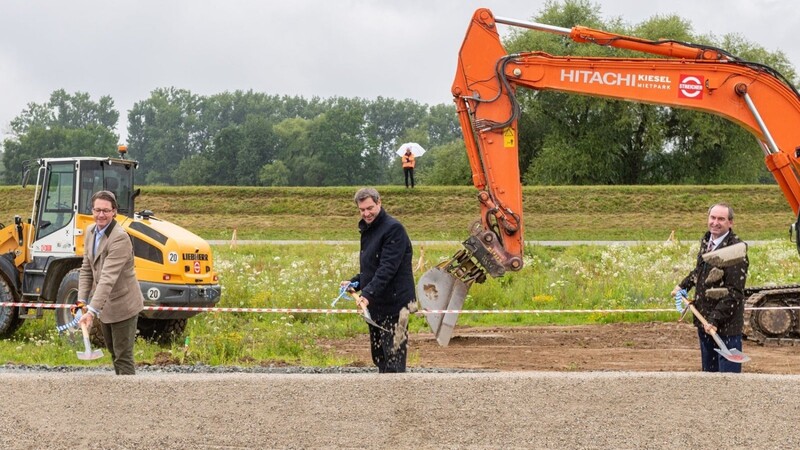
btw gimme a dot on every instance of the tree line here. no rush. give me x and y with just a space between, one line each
246 138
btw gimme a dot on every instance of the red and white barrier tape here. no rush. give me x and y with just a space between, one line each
351 311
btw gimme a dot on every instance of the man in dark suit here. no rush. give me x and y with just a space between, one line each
719 292
108 278
386 280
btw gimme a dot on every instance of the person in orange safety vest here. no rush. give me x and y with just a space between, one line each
408 166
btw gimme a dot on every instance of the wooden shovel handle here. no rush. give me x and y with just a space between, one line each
358 300
84 329
698 315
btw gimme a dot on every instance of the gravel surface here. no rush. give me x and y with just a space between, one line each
590 386
157 409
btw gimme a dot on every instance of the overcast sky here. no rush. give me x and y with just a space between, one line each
351 48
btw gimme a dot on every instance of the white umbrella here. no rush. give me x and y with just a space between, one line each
416 149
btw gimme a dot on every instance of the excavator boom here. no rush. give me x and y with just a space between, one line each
683 75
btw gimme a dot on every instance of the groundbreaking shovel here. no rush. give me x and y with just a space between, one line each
733 355
365 312
88 354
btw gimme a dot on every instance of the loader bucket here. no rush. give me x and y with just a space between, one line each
439 290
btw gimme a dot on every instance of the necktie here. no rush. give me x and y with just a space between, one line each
710 246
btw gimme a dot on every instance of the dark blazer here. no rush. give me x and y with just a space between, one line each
386 279
108 277
726 313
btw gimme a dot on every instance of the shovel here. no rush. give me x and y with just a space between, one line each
733 355
88 354
365 312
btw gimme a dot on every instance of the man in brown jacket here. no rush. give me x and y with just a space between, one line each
108 278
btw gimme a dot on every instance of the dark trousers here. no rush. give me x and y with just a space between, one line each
388 355
713 361
409 173
119 338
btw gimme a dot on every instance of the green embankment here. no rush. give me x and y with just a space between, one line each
433 213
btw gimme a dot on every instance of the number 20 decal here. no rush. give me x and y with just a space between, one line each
173 257
153 294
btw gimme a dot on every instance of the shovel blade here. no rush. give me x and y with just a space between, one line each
731 354
368 318
88 356
734 355
440 290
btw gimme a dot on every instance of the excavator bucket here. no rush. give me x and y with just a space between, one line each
439 290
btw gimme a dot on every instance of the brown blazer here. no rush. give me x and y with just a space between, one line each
108 277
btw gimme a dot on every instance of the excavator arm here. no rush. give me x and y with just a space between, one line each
684 75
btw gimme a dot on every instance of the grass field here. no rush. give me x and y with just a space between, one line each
308 275
444 213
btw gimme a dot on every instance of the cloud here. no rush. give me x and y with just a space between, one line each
349 48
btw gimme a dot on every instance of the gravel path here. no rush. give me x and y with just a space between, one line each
413 410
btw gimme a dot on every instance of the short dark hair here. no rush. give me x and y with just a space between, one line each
724 205
105 195
365 193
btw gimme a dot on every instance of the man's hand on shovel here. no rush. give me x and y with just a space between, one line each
86 320
77 310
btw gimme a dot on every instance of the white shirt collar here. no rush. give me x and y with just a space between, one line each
718 240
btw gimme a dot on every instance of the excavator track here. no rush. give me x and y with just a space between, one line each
774 326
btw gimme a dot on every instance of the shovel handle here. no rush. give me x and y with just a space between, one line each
86 342
698 315
705 323
696 312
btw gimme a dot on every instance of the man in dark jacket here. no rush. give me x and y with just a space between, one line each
386 280
719 292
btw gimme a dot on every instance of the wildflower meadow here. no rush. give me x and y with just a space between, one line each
307 276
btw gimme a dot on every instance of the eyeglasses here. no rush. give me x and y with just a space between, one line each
102 211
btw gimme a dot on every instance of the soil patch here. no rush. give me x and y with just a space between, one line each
647 347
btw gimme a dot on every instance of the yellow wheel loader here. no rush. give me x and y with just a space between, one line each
40 256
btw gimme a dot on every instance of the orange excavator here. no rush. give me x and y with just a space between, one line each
684 75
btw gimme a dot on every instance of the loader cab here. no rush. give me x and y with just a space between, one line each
65 187
110 175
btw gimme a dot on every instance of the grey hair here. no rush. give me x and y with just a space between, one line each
365 193
724 205
105 195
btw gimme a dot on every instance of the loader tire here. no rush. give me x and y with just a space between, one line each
162 331
9 315
68 295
